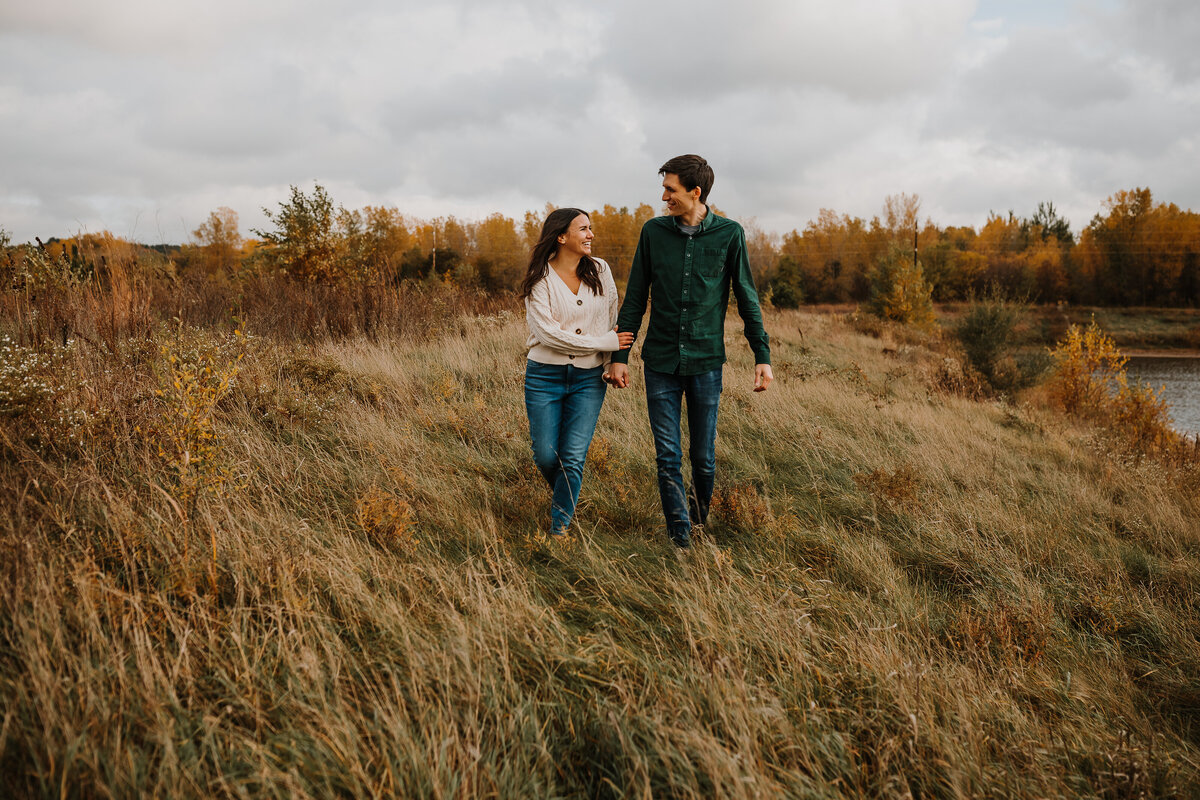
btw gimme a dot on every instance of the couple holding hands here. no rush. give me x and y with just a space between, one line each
686 263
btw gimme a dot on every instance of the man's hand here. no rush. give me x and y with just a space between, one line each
762 377
617 375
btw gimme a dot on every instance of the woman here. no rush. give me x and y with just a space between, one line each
571 309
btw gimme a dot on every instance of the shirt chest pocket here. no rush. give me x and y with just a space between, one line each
710 261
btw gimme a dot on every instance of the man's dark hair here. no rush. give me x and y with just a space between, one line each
693 171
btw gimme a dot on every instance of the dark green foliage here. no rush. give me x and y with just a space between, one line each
989 336
304 243
418 265
1049 223
786 285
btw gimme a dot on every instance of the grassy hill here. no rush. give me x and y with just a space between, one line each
233 567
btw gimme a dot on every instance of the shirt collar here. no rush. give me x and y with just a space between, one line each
704 223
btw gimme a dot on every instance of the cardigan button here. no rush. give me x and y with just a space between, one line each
578 302
571 357
579 330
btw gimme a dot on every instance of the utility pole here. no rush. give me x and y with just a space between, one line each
433 268
914 246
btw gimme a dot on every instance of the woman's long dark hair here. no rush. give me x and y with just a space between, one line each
558 223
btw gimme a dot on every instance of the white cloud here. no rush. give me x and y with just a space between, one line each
142 116
861 48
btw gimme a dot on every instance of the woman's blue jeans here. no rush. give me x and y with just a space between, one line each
563 404
664 400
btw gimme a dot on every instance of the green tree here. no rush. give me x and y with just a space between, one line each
899 291
415 264
305 242
786 285
1048 223
988 331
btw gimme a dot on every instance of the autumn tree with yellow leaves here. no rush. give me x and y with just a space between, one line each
1136 252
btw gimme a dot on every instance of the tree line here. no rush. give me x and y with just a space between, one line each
1134 252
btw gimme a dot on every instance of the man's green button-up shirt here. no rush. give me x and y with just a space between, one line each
686 279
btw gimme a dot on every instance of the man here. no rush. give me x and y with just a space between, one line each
685 264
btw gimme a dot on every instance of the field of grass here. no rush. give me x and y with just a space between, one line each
235 567
1133 329
1149 328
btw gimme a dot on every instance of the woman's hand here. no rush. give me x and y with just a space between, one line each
625 338
617 375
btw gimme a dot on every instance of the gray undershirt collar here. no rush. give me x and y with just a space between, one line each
692 230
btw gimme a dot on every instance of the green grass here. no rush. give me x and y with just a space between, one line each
1134 328
901 591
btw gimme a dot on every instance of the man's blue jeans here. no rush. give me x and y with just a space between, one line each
664 399
563 404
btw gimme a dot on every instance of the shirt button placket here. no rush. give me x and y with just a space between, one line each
687 282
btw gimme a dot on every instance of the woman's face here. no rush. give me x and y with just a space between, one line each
578 238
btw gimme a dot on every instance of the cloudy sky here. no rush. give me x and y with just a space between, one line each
142 116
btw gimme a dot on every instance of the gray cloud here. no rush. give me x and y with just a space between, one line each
1164 32
1043 88
859 48
140 116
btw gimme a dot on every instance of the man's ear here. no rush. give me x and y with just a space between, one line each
695 193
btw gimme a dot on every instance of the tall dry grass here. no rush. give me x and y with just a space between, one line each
902 592
111 291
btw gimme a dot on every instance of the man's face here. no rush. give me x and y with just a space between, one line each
679 200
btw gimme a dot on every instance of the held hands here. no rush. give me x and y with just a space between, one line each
762 377
617 375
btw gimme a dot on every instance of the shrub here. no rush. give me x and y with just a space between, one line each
866 324
194 375
305 243
1090 381
23 390
385 517
987 330
37 406
988 333
741 508
1087 363
953 377
899 291
786 288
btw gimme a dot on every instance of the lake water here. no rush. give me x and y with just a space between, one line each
1180 378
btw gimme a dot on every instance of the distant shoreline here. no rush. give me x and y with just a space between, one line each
1162 353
